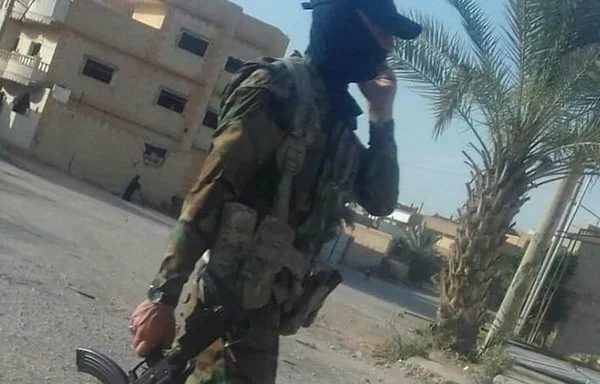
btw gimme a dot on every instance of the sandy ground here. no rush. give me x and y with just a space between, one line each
75 260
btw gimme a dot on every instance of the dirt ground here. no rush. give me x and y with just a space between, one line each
75 260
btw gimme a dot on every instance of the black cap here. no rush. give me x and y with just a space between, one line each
382 13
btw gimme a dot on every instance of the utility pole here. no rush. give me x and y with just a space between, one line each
552 254
517 291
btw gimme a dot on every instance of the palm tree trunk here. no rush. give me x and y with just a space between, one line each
494 198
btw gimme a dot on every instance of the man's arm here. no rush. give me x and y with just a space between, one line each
378 174
249 133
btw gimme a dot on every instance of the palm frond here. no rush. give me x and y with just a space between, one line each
523 22
478 27
441 66
453 99
429 61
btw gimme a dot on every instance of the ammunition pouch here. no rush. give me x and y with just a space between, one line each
272 249
304 310
251 259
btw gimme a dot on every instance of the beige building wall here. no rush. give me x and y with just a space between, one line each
133 91
109 152
367 247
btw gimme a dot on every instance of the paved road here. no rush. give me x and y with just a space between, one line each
74 261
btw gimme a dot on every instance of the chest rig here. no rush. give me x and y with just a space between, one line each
267 265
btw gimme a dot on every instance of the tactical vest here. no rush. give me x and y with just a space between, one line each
261 251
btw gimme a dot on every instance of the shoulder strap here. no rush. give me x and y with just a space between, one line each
292 152
302 81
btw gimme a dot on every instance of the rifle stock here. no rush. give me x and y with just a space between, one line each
100 366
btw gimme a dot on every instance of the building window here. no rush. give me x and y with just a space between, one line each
99 71
34 49
233 64
192 43
171 100
21 104
211 119
153 155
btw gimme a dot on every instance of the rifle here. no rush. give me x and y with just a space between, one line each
170 368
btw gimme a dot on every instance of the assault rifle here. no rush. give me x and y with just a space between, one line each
170 368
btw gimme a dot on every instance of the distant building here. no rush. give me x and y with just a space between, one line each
395 224
580 332
107 89
447 229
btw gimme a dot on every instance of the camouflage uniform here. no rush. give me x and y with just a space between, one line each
256 110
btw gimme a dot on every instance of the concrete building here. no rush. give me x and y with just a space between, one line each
394 224
110 89
579 333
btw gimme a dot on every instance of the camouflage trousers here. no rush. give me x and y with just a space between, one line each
252 360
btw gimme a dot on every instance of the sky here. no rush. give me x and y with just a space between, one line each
432 171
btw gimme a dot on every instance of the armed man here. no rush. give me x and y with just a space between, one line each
284 164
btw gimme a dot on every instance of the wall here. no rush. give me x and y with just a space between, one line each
108 152
169 55
16 128
367 248
133 91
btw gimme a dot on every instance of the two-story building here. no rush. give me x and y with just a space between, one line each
110 89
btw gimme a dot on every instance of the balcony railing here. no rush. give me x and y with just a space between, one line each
22 69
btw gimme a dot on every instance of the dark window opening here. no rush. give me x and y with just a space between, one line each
233 64
21 104
153 155
193 44
98 71
34 49
211 119
171 101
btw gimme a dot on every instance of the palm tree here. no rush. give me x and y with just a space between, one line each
530 95
417 247
418 239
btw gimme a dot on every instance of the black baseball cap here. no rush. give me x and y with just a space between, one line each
382 13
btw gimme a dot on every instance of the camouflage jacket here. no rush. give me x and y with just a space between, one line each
256 109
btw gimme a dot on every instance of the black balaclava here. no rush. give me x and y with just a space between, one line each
342 49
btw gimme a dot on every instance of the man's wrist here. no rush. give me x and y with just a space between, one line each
380 114
158 296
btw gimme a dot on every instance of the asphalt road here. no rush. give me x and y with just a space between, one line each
75 260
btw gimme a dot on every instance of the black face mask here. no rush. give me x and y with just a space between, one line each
342 47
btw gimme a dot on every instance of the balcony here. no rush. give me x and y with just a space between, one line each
22 69
41 11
